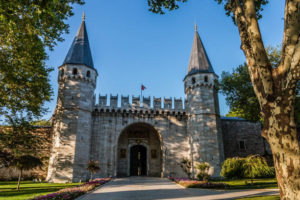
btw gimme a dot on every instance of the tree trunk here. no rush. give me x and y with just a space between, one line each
275 90
19 179
282 136
91 178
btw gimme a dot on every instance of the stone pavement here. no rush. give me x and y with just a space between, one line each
148 188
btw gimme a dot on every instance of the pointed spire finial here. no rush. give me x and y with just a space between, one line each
83 16
199 61
80 52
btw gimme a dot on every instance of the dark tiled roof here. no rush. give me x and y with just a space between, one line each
80 52
233 118
199 61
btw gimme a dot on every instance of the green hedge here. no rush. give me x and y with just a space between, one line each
233 168
253 166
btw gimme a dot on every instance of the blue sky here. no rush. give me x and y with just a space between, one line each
131 45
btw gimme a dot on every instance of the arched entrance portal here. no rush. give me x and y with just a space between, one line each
139 151
138 160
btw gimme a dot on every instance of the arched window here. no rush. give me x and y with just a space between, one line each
62 72
193 80
205 79
75 71
88 74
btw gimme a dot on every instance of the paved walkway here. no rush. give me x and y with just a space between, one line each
146 188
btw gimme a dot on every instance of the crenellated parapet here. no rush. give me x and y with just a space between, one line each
168 103
146 102
102 101
114 101
138 103
156 103
125 101
140 112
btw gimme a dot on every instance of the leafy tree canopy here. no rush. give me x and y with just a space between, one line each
160 6
27 27
27 162
230 6
240 96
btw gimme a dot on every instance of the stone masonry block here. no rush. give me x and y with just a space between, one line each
135 101
102 100
114 101
125 101
167 103
146 102
156 103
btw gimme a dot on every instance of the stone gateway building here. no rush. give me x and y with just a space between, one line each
141 136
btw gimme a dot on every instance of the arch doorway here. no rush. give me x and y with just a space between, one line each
139 151
138 160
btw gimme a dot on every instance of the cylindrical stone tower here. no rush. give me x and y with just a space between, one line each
202 106
72 119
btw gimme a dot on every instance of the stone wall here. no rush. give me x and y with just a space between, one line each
43 153
242 138
108 124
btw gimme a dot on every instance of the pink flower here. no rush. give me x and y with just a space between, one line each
71 193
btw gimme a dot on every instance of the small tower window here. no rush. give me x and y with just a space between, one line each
75 71
193 80
62 72
88 74
205 79
242 145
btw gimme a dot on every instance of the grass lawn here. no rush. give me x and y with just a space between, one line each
263 183
261 198
28 189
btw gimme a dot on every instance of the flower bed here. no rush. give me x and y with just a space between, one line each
74 192
188 183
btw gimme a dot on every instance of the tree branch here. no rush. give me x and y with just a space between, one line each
249 46
258 52
289 68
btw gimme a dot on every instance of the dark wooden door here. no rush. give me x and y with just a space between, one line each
138 160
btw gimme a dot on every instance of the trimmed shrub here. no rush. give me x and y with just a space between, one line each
203 171
270 173
253 166
186 165
256 167
233 168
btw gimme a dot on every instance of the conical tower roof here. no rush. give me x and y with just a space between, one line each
80 52
199 61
